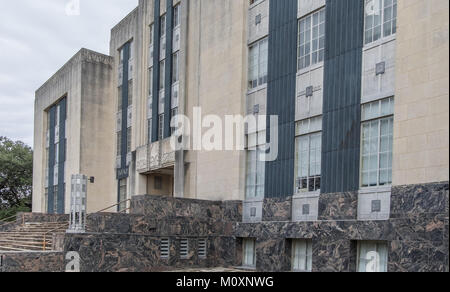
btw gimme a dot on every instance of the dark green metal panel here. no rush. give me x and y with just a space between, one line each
156 44
342 95
61 159
168 77
51 160
283 27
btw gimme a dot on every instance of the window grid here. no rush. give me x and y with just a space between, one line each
202 248
308 162
380 19
175 67
161 127
372 256
255 176
302 255
122 195
149 130
311 40
173 114
377 144
258 64
165 248
249 258
184 248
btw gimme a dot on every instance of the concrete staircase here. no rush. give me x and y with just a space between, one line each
30 236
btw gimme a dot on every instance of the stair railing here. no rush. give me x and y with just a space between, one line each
6 221
44 242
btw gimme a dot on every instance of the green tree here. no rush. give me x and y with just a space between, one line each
16 176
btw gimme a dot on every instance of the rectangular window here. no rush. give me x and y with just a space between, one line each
258 62
311 39
150 81
152 35
377 143
46 199
255 174
121 56
119 143
302 255
165 248
56 153
129 140
162 74
202 248
372 257
175 68
163 26
130 93
55 199
161 127
174 114
308 155
380 19
149 130
176 16
184 248
122 195
119 99
249 253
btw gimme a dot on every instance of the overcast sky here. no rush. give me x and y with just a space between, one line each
37 37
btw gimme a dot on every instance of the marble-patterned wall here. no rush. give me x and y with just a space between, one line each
417 232
32 262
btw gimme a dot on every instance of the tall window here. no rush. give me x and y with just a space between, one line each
152 34
150 81
174 114
249 253
311 39
161 127
129 140
122 194
377 143
380 19
308 155
163 26
150 130
130 93
175 67
258 55
119 99
302 255
372 257
119 143
162 74
176 16
255 174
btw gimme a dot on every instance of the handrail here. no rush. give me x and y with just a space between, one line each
115 205
4 220
44 243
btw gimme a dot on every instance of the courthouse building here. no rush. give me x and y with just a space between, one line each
361 92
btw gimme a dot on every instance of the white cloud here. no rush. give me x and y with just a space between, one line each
37 38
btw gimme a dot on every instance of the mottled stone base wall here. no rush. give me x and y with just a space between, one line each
141 253
161 207
417 232
32 262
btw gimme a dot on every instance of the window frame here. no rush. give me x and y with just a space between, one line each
260 66
377 245
393 22
377 118
245 242
320 50
308 255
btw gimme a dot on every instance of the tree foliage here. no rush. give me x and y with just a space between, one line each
16 176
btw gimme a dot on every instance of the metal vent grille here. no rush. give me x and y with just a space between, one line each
202 248
184 248
165 248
